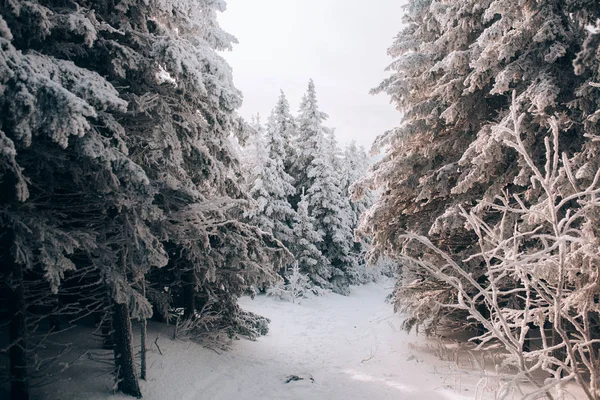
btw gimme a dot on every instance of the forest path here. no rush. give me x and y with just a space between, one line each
352 346
340 347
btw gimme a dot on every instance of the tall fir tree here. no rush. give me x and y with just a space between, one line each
331 210
355 166
456 64
253 150
310 131
271 185
62 129
286 124
309 258
108 180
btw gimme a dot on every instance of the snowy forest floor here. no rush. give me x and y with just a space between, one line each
342 347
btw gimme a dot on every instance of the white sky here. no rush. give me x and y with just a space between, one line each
340 44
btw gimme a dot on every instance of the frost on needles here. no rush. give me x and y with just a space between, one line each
120 193
494 160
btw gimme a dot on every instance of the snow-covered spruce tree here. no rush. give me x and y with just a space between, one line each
253 152
184 97
65 174
455 65
295 286
331 210
305 248
286 124
271 186
541 254
309 133
355 166
587 67
161 57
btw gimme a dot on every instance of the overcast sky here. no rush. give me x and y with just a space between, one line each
340 44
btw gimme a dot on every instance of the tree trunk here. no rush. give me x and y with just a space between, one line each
19 384
189 296
17 326
124 356
143 340
143 351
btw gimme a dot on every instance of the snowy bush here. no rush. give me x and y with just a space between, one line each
250 325
383 268
540 260
296 285
196 328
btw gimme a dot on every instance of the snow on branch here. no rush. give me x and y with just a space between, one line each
540 263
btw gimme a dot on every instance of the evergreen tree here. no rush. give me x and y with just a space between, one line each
103 181
190 158
65 171
253 153
310 134
296 285
309 258
272 186
331 210
456 64
355 166
286 124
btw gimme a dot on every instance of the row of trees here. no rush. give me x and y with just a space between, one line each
300 180
490 183
120 192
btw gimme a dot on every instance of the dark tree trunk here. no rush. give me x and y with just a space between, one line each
124 356
143 350
19 384
143 340
189 296
103 321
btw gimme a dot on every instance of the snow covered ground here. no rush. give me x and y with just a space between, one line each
343 347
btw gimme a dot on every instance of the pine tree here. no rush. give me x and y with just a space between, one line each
331 210
103 181
286 124
295 286
355 166
253 153
65 169
309 125
455 67
587 67
309 258
272 186
214 255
